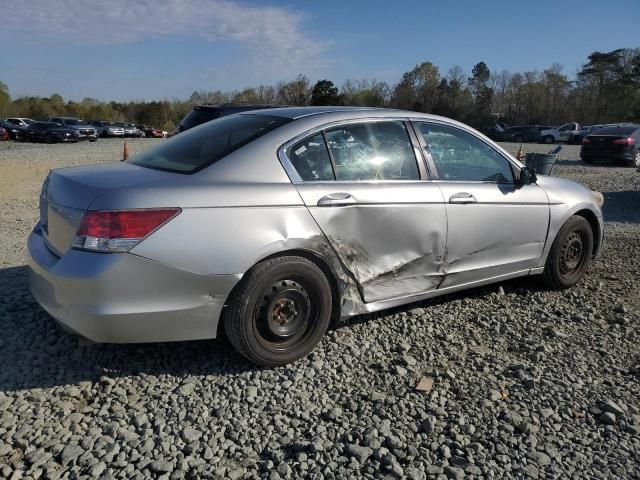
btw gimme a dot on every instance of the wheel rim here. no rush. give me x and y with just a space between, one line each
637 158
572 254
284 314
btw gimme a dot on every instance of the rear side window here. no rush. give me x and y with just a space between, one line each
617 130
198 148
311 159
372 151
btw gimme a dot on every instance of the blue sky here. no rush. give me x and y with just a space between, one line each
155 49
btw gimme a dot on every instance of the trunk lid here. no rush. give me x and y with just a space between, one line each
67 194
603 144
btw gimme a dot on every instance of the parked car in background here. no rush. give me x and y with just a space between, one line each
151 132
84 130
20 121
589 129
519 134
563 133
15 132
618 144
106 129
130 130
269 224
205 113
51 132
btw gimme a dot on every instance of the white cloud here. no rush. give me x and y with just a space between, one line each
272 38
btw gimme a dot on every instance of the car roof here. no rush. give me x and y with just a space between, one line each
341 113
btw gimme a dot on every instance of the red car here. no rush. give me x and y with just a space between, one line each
151 132
4 135
155 133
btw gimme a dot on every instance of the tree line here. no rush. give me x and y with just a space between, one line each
605 89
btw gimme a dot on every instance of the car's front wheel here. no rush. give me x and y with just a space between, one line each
548 139
280 311
570 254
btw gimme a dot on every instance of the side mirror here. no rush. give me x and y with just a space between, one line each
527 176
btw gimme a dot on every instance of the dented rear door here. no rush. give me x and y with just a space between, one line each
385 222
389 236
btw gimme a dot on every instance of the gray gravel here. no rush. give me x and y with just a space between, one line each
518 381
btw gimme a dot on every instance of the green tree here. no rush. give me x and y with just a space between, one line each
479 84
324 93
5 99
418 89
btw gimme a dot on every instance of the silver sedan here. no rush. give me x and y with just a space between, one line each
271 223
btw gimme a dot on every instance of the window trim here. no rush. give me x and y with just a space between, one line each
436 175
295 178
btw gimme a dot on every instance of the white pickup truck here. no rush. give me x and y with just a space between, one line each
563 133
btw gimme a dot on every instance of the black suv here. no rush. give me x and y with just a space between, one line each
205 113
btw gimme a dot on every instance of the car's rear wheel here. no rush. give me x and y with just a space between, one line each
636 159
548 139
518 139
49 139
570 254
279 312
587 159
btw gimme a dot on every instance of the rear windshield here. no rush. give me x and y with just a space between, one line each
617 130
198 117
198 148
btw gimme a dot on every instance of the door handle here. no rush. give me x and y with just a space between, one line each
337 199
462 198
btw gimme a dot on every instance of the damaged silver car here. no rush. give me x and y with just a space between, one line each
271 223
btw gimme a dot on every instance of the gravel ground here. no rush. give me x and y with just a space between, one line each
521 382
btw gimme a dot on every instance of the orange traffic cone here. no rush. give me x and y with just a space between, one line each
125 152
520 154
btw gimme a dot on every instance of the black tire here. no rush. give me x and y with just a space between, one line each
588 160
570 254
49 139
548 139
518 139
279 312
636 159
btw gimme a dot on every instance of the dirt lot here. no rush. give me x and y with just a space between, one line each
528 382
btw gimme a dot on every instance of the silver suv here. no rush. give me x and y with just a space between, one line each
84 130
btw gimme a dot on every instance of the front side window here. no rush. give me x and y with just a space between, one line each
460 156
372 151
311 159
201 146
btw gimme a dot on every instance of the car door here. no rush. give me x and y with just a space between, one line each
565 131
364 184
495 226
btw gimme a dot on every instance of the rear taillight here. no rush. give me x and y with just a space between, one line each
585 141
119 231
625 141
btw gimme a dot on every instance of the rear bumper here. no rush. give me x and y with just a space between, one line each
620 156
125 298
